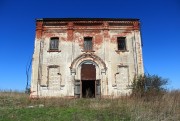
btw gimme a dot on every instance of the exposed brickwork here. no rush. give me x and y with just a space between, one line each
58 72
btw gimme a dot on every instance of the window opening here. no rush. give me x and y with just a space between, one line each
87 43
121 41
54 43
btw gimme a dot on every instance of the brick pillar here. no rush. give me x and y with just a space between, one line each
136 25
106 57
70 31
39 26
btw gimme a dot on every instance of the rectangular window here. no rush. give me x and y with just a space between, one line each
121 41
54 43
87 43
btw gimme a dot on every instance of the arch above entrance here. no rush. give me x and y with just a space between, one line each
91 82
87 58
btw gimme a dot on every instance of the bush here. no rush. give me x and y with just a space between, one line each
144 85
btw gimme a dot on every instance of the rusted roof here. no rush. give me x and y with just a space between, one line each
88 19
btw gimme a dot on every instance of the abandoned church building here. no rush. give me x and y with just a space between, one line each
86 57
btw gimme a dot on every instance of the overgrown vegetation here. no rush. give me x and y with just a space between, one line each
148 85
150 101
16 106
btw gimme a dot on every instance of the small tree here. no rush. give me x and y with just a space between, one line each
28 68
144 85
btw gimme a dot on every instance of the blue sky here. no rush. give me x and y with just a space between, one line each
160 27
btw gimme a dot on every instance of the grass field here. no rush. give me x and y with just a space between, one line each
16 106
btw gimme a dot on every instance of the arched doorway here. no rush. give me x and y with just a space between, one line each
88 80
94 78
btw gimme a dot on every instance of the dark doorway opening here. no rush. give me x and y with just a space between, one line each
88 77
88 89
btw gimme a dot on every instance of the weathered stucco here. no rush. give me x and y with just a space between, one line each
115 69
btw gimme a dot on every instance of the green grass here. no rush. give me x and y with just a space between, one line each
60 114
15 106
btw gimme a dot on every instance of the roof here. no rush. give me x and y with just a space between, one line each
88 19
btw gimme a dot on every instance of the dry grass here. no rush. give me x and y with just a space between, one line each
164 107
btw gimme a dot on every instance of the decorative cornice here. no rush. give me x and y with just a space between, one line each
64 23
91 23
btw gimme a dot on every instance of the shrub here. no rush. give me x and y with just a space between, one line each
144 85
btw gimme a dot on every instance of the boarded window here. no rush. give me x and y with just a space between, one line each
121 41
54 43
54 77
122 79
87 43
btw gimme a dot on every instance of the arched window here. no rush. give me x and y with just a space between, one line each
54 43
